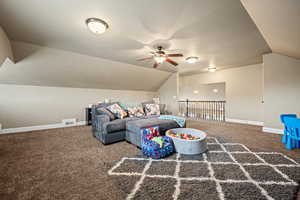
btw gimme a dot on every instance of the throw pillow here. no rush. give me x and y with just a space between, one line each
104 111
136 111
152 109
117 111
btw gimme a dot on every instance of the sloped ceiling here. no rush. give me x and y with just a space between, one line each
279 23
5 48
43 66
218 32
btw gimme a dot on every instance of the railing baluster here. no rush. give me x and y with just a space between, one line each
213 110
208 110
215 114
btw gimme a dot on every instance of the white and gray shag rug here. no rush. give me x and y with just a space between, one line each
226 171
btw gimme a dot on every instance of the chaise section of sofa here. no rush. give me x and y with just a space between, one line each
133 128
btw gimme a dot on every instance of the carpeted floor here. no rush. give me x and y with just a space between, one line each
226 171
70 163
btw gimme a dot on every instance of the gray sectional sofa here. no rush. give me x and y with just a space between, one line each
124 129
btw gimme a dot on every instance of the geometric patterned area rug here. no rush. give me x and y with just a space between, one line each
226 171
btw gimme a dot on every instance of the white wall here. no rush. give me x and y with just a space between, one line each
168 93
22 106
281 88
5 48
243 90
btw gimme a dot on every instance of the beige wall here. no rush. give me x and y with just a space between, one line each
281 88
22 106
243 90
204 92
5 48
168 93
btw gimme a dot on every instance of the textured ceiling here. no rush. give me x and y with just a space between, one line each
219 32
279 23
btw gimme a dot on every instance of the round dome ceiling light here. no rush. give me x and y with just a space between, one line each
191 60
96 25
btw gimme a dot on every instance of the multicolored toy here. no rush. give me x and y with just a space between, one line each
159 140
155 146
184 136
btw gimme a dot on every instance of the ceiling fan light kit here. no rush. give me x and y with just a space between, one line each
97 26
160 56
160 59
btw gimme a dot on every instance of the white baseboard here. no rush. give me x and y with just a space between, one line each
264 129
240 121
40 127
272 130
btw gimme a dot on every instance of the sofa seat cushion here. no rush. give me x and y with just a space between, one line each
117 125
164 124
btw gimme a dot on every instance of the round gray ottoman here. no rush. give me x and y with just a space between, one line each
189 147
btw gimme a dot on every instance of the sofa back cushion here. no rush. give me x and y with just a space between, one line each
100 105
104 111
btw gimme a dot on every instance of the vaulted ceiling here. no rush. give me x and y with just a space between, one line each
218 32
279 23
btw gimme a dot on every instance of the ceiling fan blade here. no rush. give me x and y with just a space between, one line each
144 59
175 55
171 62
155 65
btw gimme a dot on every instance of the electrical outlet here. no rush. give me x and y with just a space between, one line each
69 122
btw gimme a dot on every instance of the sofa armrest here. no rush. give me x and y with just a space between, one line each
99 121
95 113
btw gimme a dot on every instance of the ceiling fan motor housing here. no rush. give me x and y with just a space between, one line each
160 50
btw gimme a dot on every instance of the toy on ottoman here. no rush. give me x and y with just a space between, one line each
155 146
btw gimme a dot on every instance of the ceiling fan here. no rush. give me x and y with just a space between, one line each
160 56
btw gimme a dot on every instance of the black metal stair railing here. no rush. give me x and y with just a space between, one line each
208 110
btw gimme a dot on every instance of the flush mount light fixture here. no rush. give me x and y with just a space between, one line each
212 68
191 60
96 25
